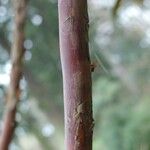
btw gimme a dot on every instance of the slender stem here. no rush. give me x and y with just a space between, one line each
74 50
13 94
115 8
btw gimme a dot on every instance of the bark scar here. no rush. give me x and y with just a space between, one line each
79 138
78 110
71 17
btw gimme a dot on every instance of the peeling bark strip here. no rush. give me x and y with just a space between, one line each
73 30
17 53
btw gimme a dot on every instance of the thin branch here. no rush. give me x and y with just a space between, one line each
13 95
76 69
115 8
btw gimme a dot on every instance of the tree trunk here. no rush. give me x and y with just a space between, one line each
74 50
15 75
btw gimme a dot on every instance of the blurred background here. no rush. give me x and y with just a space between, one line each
120 49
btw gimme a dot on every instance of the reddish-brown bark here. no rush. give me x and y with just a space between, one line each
15 75
73 28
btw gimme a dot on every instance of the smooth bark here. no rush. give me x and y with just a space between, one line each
74 50
13 93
